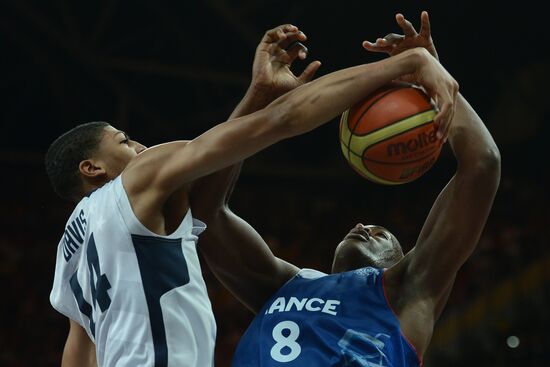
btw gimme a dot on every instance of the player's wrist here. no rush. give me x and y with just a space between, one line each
408 62
420 57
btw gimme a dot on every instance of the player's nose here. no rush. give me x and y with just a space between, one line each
139 147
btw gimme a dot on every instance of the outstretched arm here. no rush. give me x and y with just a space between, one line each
152 176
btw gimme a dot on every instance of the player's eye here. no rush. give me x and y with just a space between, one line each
125 141
383 235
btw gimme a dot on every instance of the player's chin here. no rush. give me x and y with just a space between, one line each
351 255
352 249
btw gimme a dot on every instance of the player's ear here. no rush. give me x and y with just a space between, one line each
90 168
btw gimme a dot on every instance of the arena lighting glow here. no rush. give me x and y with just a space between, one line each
512 341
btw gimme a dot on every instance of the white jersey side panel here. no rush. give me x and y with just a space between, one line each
140 296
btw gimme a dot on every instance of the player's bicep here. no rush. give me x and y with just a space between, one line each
453 228
79 350
242 260
169 166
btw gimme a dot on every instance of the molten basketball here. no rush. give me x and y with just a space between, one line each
390 137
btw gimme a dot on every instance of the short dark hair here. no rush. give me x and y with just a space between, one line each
65 154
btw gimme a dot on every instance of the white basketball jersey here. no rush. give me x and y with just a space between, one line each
140 296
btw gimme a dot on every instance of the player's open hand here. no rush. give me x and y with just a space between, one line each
393 43
278 49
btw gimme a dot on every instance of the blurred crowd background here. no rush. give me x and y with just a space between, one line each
170 70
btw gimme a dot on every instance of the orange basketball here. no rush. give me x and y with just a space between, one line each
390 137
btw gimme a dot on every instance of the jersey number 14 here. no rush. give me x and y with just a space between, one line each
99 284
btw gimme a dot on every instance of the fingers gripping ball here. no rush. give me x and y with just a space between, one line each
390 137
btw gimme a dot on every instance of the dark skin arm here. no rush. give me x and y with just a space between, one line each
271 77
418 287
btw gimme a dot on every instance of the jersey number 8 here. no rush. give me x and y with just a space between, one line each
287 343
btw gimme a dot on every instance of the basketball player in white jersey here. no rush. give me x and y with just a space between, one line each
127 275
379 306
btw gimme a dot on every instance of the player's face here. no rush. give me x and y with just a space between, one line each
368 245
116 149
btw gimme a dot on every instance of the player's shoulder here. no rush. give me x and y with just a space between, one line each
366 272
156 154
143 177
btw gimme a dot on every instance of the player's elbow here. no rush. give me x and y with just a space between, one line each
489 161
487 168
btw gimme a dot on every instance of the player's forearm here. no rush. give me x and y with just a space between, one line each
470 140
328 97
223 182
317 102
294 113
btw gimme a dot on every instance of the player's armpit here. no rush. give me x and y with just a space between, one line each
79 350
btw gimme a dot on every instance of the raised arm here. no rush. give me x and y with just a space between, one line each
421 283
271 78
451 231
453 227
458 216
228 239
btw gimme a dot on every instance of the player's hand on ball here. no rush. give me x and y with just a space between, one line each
271 73
393 43
441 87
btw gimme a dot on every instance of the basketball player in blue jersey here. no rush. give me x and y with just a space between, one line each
379 306
127 273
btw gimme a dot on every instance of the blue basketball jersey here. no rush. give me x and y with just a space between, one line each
317 319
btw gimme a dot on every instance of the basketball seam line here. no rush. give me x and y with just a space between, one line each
397 163
367 174
347 127
388 163
368 108
352 133
404 126
390 137
395 122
